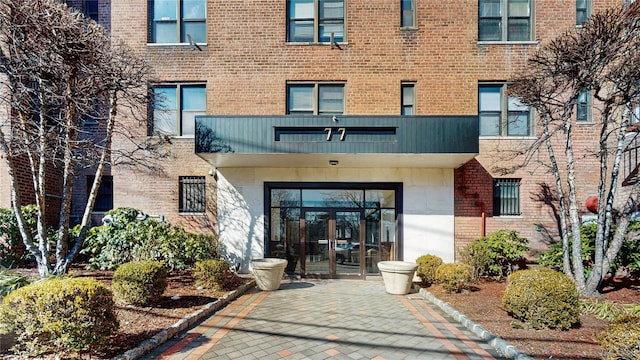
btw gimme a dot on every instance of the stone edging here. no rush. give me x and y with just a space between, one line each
184 324
506 349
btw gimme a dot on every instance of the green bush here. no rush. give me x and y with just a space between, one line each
544 299
427 265
455 277
212 273
621 338
10 234
139 282
628 257
496 255
59 315
127 238
10 281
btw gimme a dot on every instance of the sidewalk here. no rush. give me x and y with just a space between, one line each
327 319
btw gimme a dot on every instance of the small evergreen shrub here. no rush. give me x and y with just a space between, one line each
621 338
427 265
497 254
544 299
455 277
10 281
139 282
212 273
59 315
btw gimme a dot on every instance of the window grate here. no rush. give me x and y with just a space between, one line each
506 197
192 194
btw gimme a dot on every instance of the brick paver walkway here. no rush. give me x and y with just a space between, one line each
327 319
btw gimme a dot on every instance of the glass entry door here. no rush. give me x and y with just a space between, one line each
332 243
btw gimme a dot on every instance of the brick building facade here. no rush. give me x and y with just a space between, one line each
359 62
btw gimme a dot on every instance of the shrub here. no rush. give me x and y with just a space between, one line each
455 277
212 273
139 282
544 299
621 338
10 234
497 254
10 281
59 314
130 236
427 265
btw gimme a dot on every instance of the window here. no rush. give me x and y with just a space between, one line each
176 106
91 9
408 13
506 197
192 194
502 115
504 20
408 98
634 115
174 21
583 11
315 99
104 199
315 20
583 106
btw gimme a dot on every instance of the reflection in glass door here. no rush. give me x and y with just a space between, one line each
316 243
332 243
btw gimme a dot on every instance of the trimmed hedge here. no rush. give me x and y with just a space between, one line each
427 265
139 282
455 277
543 299
212 273
59 315
621 338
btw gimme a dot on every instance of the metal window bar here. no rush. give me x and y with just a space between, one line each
506 197
192 194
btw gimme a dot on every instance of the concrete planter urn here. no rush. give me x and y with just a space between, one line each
268 272
397 276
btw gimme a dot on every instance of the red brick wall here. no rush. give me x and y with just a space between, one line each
246 64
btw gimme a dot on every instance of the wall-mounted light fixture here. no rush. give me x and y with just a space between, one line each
333 162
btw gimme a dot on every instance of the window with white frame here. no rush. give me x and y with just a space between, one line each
408 106
175 107
502 115
192 194
634 114
175 21
583 11
505 20
583 106
408 13
506 197
314 21
315 99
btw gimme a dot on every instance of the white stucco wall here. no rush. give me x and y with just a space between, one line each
428 220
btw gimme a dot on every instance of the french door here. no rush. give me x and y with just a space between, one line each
332 243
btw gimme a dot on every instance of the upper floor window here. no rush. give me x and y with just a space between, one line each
315 99
192 194
502 115
408 99
90 9
408 13
583 11
583 106
174 21
176 106
506 197
315 20
634 115
504 20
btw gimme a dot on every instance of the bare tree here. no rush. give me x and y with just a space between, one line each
56 69
601 57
